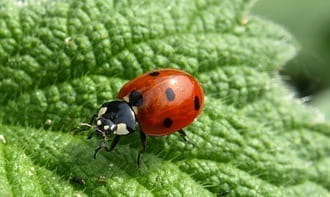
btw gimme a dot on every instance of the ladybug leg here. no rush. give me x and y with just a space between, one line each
113 143
143 139
101 145
184 137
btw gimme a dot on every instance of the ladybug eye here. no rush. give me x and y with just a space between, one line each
106 127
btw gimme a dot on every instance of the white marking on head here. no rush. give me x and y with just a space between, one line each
121 129
106 127
102 111
113 127
99 122
126 98
136 110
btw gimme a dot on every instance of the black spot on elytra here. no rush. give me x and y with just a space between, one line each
168 122
196 103
154 74
170 95
135 98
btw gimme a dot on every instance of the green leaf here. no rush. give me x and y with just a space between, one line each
309 22
59 60
321 101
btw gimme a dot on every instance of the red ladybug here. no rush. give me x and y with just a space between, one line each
161 102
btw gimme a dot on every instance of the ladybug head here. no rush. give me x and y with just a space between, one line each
115 117
104 127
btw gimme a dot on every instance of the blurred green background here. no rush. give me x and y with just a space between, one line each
309 22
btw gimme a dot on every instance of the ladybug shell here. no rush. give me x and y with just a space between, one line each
172 99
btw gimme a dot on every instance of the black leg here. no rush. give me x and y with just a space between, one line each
101 145
113 143
184 137
143 139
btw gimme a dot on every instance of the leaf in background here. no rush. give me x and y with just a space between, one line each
59 60
309 22
321 101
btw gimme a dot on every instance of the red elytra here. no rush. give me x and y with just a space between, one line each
172 99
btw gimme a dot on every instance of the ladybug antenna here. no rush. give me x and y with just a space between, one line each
94 127
87 125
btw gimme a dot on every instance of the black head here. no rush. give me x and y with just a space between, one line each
104 127
115 117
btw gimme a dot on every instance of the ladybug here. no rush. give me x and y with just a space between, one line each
161 102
